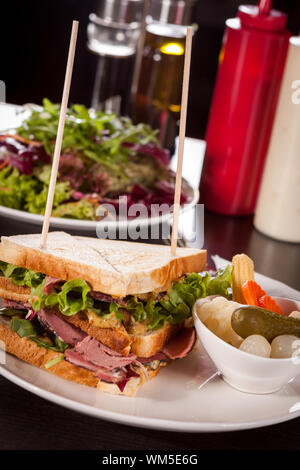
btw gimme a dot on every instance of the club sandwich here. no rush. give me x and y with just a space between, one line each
106 314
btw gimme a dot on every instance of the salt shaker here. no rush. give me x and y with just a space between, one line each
278 207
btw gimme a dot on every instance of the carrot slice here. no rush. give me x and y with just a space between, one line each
252 292
269 304
255 295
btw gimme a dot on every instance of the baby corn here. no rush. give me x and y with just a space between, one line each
242 271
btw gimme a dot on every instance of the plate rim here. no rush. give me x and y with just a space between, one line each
136 421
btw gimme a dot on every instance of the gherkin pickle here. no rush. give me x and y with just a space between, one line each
250 320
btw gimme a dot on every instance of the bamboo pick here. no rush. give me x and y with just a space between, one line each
60 133
182 129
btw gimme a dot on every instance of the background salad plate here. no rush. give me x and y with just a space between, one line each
10 118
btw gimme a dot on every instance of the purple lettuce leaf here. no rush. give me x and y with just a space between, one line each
162 156
22 156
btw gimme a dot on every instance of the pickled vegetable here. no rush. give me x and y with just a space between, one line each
252 292
285 346
216 316
256 344
255 295
242 271
270 304
295 314
246 321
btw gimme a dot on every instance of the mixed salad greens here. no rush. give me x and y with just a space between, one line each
103 157
71 297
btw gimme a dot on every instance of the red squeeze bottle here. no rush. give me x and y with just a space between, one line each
251 67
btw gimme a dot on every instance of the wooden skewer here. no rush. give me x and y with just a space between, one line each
183 114
60 133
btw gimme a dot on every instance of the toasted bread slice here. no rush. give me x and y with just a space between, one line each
115 338
10 291
38 356
113 267
150 343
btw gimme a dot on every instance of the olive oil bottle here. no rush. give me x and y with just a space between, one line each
158 97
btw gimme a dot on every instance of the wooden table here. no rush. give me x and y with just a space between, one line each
29 422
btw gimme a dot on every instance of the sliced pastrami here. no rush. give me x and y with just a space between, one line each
114 376
100 355
181 345
160 356
67 332
31 314
78 360
105 363
51 283
107 298
16 305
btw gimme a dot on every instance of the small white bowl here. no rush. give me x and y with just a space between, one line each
244 371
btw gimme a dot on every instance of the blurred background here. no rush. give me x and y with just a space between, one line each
35 35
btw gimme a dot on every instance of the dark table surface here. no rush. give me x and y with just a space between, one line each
29 422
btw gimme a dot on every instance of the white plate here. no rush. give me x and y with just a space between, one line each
172 401
10 118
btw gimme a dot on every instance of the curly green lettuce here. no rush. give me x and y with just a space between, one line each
176 306
29 192
36 203
72 297
84 130
76 210
21 276
16 189
27 329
